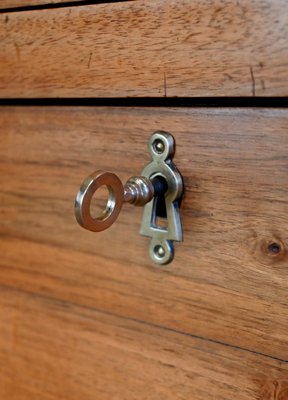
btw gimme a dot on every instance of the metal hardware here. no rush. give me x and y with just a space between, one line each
162 146
138 190
158 189
84 197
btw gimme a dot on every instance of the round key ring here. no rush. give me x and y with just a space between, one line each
113 206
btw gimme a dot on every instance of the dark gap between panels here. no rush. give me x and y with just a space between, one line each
59 5
267 102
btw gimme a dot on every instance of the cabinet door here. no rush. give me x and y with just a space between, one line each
88 315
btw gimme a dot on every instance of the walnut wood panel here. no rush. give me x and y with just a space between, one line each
228 282
54 351
147 48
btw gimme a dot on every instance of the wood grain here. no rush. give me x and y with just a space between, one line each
147 48
71 352
227 283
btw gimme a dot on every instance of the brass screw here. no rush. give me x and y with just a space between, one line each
159 146
159 251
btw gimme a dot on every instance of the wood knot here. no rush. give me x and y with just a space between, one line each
274 249
269 250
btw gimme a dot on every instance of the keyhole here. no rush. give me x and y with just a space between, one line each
159 214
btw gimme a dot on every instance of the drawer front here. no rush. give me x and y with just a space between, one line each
162 48
213 321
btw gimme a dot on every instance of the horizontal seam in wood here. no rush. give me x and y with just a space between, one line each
59 5
270 102
156 326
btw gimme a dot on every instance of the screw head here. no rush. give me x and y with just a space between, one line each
159 251
159 146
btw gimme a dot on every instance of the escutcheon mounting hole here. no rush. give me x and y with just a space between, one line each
158 146
159 251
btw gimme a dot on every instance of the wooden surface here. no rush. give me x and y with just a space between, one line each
154 48
93 309
94 355
24 3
